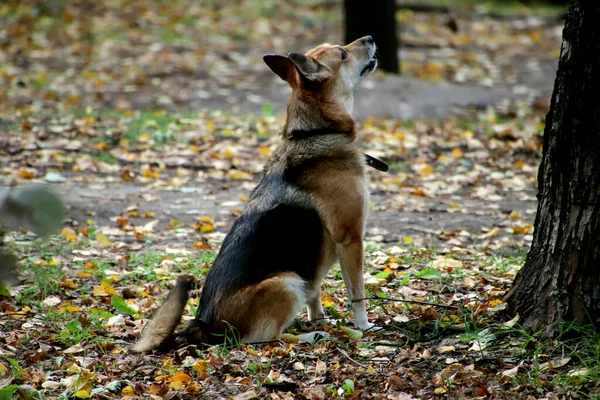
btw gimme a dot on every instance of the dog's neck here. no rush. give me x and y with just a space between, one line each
308 115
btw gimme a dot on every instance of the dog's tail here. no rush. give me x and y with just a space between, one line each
160 329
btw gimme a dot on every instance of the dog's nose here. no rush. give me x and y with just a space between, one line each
368 39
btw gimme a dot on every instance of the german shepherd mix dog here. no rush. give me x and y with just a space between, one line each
308 211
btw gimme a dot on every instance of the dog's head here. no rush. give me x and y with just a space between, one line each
333 71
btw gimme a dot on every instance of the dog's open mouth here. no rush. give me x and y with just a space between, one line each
370 67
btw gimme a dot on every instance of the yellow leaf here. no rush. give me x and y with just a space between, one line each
122 221
289 338
207 219
418 192
407 240
127 391
68 234
327 301
239 175
82 394
177 385
426 171
515 215
109 289
494 302
53 263
68 283
143 137
227 153
84 275
24 174
523 229
207 228
201 246
119 350
103 146
150 173
466 134
193 388
181 377
103 240
201 367
457 152
210 126
105 289
264 151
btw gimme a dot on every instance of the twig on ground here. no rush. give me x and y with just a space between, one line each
425 303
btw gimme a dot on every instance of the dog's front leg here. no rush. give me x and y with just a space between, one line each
351 262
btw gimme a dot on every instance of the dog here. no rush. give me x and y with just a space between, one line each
308 211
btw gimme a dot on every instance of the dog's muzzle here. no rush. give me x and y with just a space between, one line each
370 67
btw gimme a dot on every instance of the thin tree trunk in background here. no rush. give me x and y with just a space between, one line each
561 277
378 19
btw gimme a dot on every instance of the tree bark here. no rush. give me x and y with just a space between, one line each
378 19
560 280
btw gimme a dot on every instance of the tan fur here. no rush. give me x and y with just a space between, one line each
262 311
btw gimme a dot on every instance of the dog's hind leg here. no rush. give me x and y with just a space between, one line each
261 312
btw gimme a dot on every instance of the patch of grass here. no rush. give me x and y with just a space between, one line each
44 278
259 371
104 157
171 37
144 265
231 339
158 125
502 7
582 344
502 265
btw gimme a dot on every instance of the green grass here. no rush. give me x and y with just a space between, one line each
44 281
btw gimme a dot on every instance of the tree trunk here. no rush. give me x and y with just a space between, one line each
561 277
378 19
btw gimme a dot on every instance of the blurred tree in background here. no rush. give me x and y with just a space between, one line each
377 19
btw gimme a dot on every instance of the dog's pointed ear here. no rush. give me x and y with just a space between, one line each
281 65
307 67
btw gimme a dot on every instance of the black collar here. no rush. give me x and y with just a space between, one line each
304 134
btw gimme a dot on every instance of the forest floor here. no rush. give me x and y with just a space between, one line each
153 122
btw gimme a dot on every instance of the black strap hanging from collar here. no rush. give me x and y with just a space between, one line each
376 163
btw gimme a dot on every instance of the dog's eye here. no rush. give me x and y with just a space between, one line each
344 54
